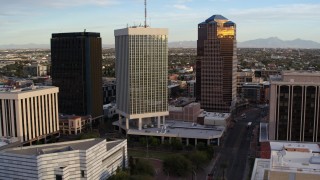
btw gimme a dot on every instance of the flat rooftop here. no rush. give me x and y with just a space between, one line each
180 129
8 90
260 165
54 148
295 157
214 115
296 77
75 34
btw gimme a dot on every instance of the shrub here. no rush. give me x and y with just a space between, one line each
177 165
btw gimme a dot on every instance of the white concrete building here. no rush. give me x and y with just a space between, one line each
83 159
109 110
30 113
289 160
141 73
215 118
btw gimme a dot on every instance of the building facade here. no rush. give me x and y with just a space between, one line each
29 114
71 124
141 73
35 69
76 70
82 159
216 64
295 106
188 112
109 93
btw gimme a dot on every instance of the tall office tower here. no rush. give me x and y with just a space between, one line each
295 106
216 64
76 70
141 73
29 114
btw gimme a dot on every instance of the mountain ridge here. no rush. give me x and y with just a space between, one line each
271 42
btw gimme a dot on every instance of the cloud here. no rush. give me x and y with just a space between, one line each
284 12
181 6
70 3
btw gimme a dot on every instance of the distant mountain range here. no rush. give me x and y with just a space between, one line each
272 42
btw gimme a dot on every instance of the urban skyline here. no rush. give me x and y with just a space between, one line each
214 112
255 19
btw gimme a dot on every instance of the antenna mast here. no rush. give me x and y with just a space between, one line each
145 13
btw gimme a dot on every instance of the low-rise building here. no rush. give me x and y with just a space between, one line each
289 160
71 124
214 119
82 159
191 88
189 112
35 69
109 110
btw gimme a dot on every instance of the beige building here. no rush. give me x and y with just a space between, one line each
29 114
294 106
71 124
141 73
189 112
289 161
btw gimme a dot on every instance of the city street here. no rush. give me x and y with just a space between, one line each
235 148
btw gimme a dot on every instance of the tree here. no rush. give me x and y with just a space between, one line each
141 167
120 175
198 158
176 144
153 141
201 146
177 165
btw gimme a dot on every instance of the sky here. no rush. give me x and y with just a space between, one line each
33 21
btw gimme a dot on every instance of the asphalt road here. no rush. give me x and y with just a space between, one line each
234 150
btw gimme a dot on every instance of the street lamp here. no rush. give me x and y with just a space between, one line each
147 147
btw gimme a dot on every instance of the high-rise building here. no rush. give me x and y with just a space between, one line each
216 66
141 73
294 106
77 71
29 114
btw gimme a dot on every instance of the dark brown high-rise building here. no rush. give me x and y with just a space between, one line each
76 70
216 64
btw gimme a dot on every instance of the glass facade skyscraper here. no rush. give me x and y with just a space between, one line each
141 73
216 65
77 71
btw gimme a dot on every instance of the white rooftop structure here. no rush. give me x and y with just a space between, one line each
214 118
289 159
301 157
214 115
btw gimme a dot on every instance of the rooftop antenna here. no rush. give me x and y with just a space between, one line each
145 13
